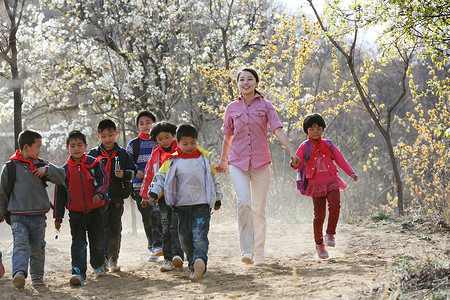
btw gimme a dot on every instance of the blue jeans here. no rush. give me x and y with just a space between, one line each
29 244
171 241
151 222
92 224
193 228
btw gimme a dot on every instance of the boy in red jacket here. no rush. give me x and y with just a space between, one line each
88 187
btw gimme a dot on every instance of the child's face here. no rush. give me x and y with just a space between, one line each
145 124
188 144
315 131
32 152
76 148
247 83
164 139
108 138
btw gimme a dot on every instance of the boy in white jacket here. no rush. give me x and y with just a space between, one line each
190 187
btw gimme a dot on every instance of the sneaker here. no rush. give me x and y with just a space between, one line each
177 261
247 258
113 267
328 240
37 282
157 251
167 266
199 269
105 265
99 272
2 269
76 278
19 280
321 251
192 275
153 258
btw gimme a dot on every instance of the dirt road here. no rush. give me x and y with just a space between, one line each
359 265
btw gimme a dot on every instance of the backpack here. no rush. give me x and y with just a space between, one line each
11 167
136 149
302 181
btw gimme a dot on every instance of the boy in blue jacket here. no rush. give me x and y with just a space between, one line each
28 205
88 188
120 169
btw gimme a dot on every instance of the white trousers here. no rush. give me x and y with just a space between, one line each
251 191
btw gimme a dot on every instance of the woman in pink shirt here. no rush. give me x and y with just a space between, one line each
245 129
323 182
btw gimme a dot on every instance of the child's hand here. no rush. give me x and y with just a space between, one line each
57 224
119 173
217 205
144 203
354 176
139 174
39 172
295 161
222 166
97 198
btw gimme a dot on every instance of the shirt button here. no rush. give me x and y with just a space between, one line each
249 144
249 155
324 155
315 157
313 168
247 123
249 134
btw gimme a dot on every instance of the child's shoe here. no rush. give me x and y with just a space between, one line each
113 267
76 279
155 254
199 269
19 280
328 240
99 272
247 258
39 281
177 261
2 268
105 265
321 251
167 266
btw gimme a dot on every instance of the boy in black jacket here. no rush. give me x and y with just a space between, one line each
121 169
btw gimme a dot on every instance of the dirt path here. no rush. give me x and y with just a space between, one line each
359 264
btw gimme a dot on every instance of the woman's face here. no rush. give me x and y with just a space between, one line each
247 83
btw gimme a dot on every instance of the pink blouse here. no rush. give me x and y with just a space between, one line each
248 126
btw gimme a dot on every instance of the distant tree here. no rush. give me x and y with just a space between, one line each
9 54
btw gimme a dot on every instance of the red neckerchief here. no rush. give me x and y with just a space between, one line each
144 136
179 154
163 156
83 164
108 156
317 145
17 156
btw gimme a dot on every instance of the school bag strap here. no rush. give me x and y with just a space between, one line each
136 149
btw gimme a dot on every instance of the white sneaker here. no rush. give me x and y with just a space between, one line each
199 268
99 272
247 258
177 261
167 266
76 279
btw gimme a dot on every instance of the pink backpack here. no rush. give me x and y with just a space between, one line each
302 181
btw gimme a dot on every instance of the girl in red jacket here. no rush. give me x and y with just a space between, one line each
324 184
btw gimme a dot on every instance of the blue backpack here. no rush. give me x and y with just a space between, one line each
302 181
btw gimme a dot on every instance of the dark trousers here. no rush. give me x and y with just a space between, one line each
113 230
170 240
92 224
193 228
151 221
320 210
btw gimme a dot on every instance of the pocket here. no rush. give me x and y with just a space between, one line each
260 113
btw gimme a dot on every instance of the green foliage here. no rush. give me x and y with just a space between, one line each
379 216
